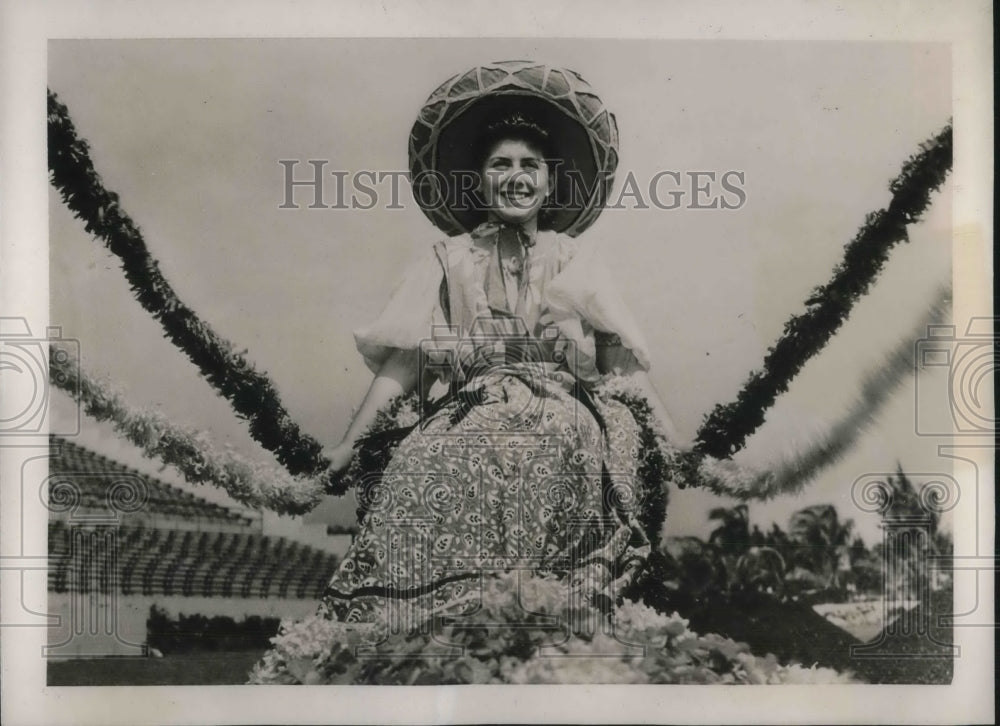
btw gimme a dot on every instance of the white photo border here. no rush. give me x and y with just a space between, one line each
27 28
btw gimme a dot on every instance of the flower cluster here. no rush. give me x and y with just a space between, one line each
191 452
312 651
527 629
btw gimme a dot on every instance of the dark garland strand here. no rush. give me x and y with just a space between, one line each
654 471
726 428
251 393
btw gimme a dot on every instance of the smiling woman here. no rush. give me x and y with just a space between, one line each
511 467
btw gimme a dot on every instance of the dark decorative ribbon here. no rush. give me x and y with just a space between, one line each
726 429
251 393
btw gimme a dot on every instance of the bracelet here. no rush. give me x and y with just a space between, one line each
603 339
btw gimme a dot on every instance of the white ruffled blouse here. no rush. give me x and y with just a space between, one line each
567 295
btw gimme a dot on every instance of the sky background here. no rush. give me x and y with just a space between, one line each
189 133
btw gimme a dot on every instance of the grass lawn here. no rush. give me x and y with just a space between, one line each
187 669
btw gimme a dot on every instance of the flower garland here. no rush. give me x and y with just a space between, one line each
727 427
660 463
251 393
658 458
724 431
259 485
190 452
510 639
789 474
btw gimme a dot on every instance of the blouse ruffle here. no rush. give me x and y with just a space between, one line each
568 287
584 292
409 317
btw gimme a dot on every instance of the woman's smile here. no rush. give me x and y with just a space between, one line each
517 197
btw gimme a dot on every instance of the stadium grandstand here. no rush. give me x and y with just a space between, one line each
122 541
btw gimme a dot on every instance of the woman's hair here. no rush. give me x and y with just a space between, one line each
518 126
515 126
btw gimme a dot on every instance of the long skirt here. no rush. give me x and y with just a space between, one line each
519 473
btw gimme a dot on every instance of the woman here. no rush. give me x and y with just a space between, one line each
519 464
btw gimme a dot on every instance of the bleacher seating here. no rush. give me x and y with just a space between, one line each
93 478
172 562
174 544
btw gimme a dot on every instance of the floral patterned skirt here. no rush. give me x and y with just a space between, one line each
517 472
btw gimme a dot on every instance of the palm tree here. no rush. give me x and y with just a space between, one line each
826 538
866 566
731 541
732 536
761 569
778 538
906 502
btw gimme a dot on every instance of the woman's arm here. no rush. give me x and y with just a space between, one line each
613 358
396 377
641 379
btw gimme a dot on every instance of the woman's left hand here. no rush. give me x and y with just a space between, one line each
340 458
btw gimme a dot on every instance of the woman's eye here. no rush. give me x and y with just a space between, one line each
530 163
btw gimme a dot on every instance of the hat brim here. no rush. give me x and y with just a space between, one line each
583 137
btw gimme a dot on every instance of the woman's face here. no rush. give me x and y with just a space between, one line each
515 181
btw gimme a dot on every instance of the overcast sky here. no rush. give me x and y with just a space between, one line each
190 133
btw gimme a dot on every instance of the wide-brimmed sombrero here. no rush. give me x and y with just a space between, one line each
582 133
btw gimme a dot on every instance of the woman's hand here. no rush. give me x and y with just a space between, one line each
340 457
396 377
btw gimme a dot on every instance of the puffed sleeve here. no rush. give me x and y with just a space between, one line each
408 318
583 290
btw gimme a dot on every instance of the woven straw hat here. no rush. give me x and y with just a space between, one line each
582 132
